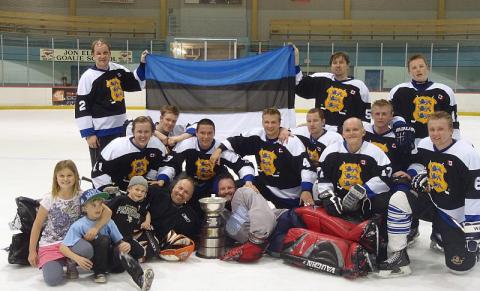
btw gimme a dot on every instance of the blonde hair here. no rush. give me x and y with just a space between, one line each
437 115
65 164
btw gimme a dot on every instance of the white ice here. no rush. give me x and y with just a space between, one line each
32 141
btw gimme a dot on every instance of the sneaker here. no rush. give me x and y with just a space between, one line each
145 281
397 265
412 236
72 272
100 278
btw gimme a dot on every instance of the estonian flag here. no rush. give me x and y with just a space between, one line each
232 93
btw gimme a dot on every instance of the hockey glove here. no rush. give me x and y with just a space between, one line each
331 203
246 253
354 198
176 247
472 235
420 183
404 136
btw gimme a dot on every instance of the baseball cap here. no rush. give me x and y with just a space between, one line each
91 194
138 180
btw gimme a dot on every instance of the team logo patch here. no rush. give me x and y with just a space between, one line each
116 91
267 162
424 106
440 96
139 167
450 163
456 260
313 155
334 100
204 169
436 177
350 175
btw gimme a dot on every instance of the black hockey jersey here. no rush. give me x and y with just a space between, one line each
121 160
386 142
285 169
416 106
339 100
168 216
100 105
453 177
198 166
127 214
315 147
340 169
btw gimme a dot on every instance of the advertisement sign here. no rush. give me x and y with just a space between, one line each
64 95
74 55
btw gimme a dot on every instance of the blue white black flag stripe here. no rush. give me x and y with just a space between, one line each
215 88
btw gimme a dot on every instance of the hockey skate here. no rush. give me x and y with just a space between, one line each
397 265
370 238
412 236
143 278
436 243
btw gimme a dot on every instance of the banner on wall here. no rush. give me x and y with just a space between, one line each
74 55
64 96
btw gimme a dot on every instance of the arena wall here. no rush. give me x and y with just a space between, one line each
41 98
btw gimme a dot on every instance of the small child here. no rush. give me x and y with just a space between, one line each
99 249
58 210
130 214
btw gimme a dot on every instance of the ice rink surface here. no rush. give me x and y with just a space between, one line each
32 141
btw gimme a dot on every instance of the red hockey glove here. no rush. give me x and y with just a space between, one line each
248 252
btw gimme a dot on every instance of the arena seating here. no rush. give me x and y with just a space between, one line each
54 24
374 29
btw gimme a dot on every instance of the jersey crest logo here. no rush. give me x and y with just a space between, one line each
139 167
350 175
267 162
204 169
382 146
334 100
424 106
116 91
436 177
313 155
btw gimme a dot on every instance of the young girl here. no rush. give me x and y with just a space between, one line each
57 211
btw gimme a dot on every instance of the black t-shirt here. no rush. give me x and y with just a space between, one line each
127 214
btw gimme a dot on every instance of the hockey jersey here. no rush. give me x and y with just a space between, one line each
100 105
453 177
121 159
339 100
416 106
284 169
340 169
315 147
386 142
198 166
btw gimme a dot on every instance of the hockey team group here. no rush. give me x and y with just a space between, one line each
343 193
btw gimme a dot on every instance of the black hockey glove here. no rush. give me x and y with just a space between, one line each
420 183
404 136
331 203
